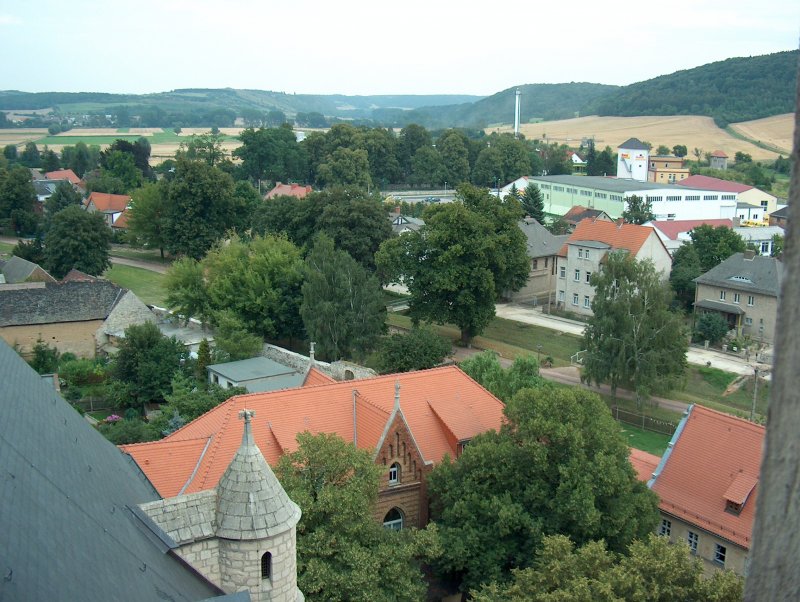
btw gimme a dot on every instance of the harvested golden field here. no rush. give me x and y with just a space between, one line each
224 131
21 136
160 152
775 131
692 130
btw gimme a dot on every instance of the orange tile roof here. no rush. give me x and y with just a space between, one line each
104 201
314 376
624 236
295 190
462 409
64 174
715 458
122 220
644 464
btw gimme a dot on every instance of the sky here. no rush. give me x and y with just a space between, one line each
358 47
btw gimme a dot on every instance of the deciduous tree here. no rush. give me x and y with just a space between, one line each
77 239
538 476
418 349
147 222
345 167
343 308
715 245
633 339
64 196
504 383
638 210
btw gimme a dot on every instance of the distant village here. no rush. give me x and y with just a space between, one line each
202 512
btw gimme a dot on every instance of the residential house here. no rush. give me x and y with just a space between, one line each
405 223
780 217
584 253
674 233
76 316
542 249
707 482
68 175
110 205
71 523
762 238
44 190
578 213
745 290
578 164
17 270
667 169
408 422
718 160
633 159
744 193
296 190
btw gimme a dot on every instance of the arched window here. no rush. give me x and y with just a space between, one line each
394 474
393 520
266 565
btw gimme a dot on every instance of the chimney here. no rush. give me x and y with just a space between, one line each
397 210
620 222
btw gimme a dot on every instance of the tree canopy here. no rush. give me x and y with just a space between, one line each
418 349
504 383
77 239
533 203
638 210
538 476
633 338
456 266
343 554
715 245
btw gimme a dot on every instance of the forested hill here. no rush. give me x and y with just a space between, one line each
539 101
733 90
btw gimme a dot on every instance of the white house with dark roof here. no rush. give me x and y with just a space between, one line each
745 290
633 160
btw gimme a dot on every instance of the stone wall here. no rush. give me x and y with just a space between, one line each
240 567
339 370
74 337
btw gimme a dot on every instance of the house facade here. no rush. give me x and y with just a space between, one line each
718 160
707 482
585 250
633 159
542 249
750 195
408 422
112 206
666 169
745 290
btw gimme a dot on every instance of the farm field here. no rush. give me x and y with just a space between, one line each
21 136
692 130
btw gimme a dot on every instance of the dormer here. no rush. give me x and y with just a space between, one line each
738 492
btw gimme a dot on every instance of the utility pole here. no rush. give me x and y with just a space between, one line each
755 395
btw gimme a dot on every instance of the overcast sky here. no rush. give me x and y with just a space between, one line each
374 46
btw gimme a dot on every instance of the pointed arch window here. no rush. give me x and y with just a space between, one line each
394 474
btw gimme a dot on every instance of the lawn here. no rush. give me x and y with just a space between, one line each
652 443
510 338
147 285
153 255
5 248
707 386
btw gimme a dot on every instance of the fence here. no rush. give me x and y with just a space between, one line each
644 422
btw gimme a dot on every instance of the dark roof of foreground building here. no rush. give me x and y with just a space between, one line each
71 524
634 144
51 302
747 272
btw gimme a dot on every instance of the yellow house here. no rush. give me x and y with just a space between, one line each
666 169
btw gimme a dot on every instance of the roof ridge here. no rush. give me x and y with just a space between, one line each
146 443
744 423
211 450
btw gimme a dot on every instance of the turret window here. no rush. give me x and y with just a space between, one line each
266 565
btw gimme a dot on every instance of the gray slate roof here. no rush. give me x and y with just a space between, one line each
783 212
17 269
539 241
634 144
70 523
250 369
52 302
760 274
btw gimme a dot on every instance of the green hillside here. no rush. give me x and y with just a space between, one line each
730 91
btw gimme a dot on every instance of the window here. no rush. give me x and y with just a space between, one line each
534 264
562 272
719 554
266 565
673 198
751 300
710 197
693 538
586 303
580 253
722 295
748 321
588 276
736 297
728 197
666 527
393 520
394 474
764 204
577 275
560 295
574 298
586 254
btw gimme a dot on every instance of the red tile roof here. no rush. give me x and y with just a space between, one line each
719 153
122 220
77 276
619 236
111 203
441 406
716 458
64 174
644 464
715 184
317 377
295 190
671 229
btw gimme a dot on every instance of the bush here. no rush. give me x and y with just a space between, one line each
121 432
45 358
418 349
711 327
77 373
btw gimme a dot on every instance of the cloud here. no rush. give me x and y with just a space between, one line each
9 20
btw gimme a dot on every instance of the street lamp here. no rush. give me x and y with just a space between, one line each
539 353
445 189
755 395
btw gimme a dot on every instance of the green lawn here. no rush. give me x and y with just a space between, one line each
147 285
653 443
5 248
153 255
707 386
88 140
510 338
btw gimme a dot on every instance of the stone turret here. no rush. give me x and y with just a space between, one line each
255 527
